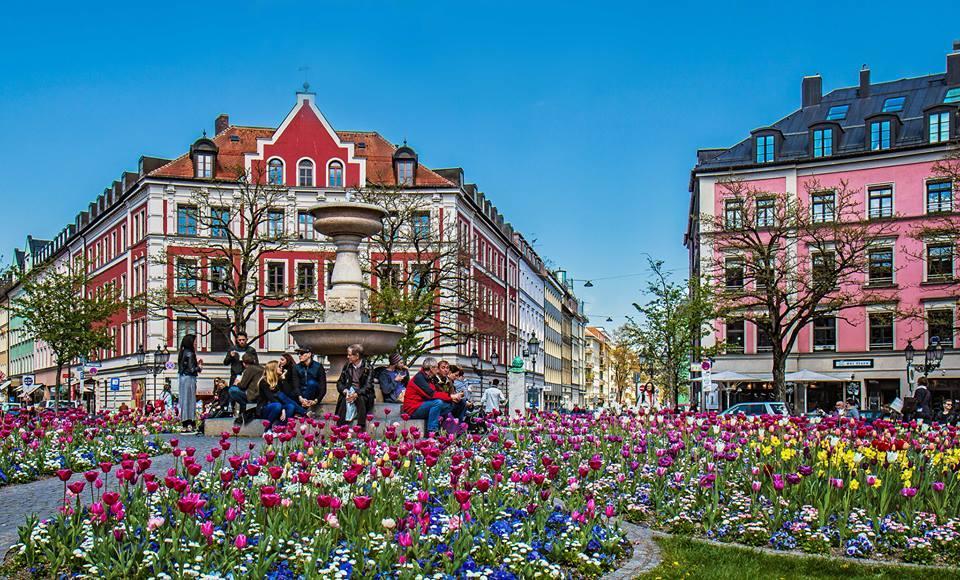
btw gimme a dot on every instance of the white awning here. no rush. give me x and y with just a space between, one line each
5 384
732 377
29 390
805 376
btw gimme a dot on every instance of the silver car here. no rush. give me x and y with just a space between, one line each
757 408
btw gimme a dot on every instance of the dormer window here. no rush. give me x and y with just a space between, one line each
305 173
275 172
335 174
881 131
939 120
766 144
204 155
824 139
405 165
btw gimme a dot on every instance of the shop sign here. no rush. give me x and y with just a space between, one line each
853 363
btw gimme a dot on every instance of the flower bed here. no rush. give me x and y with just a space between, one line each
535 496
35 446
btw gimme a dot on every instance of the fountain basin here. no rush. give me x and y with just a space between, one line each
348 218
333 338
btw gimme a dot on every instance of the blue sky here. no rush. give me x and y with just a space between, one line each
581 122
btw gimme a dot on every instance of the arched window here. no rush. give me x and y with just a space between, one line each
275 172
305 173
335 174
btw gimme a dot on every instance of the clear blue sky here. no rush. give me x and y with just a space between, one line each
580 121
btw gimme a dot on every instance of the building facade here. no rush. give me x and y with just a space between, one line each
598 376
881 141
152 212
531 321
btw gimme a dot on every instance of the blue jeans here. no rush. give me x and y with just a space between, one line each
432 410
238 396
271 412
460 409
290 406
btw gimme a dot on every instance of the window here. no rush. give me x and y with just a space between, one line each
823 142
880 202
335 174
733 273
305 226
765 148
879 135
824 264
185 326
733 214
421 225
306 279
419 276
219 334
893 104
275 223
952 96
881 331
735 335
764 343
939 196
305 173
219 276
765 212
204 164
837 112
186 274
939 262
939 126
275 172
940 326
405 172
764 274
822 205
219 222
275 278
186 220
824 333
880 267
390 274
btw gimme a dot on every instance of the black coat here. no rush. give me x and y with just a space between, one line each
924 408
187 363
290 384
236 362
366 390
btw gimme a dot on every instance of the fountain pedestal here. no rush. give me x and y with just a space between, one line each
346 317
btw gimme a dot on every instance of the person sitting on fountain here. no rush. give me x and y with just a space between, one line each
248 389
313 379
393 379
422 400
355 388
270 406
290 385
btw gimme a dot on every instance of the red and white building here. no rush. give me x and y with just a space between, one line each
144 214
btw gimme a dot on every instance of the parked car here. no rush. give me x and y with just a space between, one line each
51 405
757 408
9 408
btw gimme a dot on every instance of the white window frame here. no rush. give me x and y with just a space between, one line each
313 172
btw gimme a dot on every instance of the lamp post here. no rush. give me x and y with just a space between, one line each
531 351
478 364
159 361
932 357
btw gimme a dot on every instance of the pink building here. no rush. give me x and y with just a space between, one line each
880 140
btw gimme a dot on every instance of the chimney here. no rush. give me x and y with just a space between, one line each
812 89
221 124
953 65
864 91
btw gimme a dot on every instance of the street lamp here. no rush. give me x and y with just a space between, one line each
478 365
531 351
932 358
160 359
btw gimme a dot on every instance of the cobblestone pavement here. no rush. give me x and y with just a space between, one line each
646 553
44 497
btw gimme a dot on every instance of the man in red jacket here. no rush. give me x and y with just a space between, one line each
422 400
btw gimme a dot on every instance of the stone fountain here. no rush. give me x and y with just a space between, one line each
346 317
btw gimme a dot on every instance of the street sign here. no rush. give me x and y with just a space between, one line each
115 384
92 371
28 380
170 365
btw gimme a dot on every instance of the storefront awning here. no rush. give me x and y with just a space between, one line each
732 377
24 390
5 384
805 376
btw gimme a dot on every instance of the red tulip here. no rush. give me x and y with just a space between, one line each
64 474
362 502
110 497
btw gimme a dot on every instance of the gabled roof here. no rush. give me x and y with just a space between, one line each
920 93
236 141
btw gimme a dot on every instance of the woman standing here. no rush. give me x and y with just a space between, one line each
189 367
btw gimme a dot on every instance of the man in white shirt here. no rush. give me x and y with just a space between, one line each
492 397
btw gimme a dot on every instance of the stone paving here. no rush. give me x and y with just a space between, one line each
44 497
646 553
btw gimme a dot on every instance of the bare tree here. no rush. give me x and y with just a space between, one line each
421 275
782 261
220 276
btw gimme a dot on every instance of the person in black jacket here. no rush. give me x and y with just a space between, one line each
290 386
924 407
355 386
189 366
234 357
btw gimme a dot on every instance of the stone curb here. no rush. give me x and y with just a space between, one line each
646 553
796 554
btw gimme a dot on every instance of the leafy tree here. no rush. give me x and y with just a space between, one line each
422 276
59 307
669 322
623 363
220 275
782 260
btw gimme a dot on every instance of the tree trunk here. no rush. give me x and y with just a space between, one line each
56 399
779 376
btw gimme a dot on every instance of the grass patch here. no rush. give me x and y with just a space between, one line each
686 558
